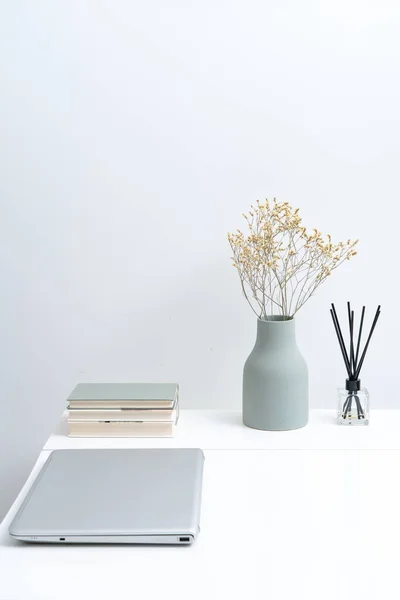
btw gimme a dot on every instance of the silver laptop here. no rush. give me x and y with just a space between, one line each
114 496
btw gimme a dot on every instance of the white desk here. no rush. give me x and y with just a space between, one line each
224 430
280 525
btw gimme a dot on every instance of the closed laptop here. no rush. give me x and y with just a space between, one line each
146 496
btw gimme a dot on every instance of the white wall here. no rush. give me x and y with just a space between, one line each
133 135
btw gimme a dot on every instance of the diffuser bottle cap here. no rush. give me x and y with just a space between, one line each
353 385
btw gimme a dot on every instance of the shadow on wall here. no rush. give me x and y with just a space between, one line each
29 414
198 332
22 449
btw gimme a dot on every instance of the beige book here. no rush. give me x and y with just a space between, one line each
128 414
121 429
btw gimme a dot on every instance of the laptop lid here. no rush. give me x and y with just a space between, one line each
114 496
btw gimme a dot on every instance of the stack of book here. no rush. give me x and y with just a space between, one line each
123 410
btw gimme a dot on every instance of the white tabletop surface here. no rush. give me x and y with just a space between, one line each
224 430
278 524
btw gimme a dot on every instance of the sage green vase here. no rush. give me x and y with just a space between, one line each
275 379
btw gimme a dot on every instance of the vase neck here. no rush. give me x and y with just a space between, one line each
275 333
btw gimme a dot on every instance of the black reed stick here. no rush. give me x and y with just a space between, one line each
346 406
360 332
360 364
351 326
342 347
339 335
340 339
348 409
341 342
349 317
360 411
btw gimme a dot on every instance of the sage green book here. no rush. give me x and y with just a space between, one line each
124 395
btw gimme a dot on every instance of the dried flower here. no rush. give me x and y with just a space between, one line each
280 265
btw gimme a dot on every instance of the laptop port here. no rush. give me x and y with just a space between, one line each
62 539
184 539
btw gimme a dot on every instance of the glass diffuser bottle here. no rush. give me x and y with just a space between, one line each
353 407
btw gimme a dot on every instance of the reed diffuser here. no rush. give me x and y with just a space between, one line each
353 399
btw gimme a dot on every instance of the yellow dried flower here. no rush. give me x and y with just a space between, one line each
278 253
